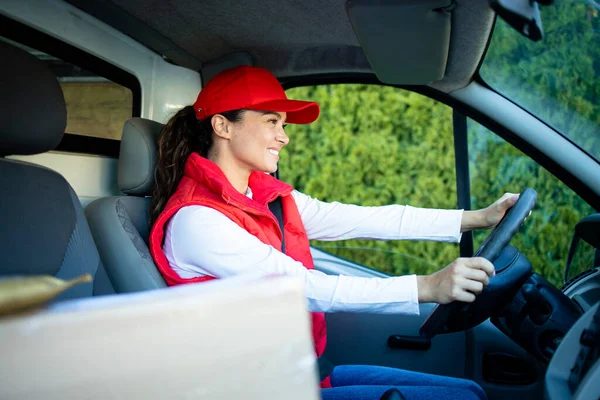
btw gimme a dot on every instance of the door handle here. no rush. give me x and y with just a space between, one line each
409 342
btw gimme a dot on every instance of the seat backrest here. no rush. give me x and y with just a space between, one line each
44 230
120 223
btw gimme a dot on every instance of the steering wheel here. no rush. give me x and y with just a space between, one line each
512 269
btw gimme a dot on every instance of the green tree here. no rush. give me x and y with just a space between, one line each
557 78
372 146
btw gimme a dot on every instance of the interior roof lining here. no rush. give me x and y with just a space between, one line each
190 33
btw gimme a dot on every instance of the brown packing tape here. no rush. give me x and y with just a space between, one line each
18 294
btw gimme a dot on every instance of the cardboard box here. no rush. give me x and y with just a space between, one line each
239 338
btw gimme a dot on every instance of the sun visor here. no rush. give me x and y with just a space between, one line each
405 41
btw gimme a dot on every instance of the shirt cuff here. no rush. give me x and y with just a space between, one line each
459 233
412 306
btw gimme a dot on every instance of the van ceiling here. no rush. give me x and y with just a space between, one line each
289 37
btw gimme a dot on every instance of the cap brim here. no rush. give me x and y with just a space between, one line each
298 111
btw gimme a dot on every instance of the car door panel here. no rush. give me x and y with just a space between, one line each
357 338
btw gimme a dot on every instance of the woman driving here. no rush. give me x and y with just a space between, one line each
210 219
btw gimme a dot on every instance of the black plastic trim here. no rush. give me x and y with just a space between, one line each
577 278
72 143
507 369
487 45
463 181
368 78
31 37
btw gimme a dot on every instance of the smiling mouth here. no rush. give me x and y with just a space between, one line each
274 152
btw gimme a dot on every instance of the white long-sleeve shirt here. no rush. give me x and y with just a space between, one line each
201 241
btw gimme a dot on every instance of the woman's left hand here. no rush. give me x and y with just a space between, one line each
490 216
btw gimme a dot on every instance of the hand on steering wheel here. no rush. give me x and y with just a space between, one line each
461 280
515 269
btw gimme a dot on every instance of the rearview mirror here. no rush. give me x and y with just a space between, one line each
522 15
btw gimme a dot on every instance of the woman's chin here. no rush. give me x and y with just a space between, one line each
270 169
266 170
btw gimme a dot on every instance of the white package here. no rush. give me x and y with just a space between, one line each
239 338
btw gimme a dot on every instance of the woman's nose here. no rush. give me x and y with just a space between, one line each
283 137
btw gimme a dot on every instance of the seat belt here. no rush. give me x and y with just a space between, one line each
325 367
276 208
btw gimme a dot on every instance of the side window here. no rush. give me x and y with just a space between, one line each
375 145
96 106
99 96
495 167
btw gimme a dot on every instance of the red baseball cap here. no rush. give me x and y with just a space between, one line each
251 88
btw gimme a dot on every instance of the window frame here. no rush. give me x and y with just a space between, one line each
72 142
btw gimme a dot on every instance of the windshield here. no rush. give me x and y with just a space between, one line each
557 78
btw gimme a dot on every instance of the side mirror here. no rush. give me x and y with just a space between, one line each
522 15
587 229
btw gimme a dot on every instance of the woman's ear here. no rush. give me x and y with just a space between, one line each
221 126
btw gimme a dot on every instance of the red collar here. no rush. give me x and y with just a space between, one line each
265 188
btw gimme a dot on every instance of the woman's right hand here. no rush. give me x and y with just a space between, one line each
461 280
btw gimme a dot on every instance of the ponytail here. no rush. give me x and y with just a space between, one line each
180 137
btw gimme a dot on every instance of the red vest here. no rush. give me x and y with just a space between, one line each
205 184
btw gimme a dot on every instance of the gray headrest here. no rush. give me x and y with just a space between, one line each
137 158
32 107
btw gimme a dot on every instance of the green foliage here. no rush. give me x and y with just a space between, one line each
376 145
557 78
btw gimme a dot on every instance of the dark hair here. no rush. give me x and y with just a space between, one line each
180 137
